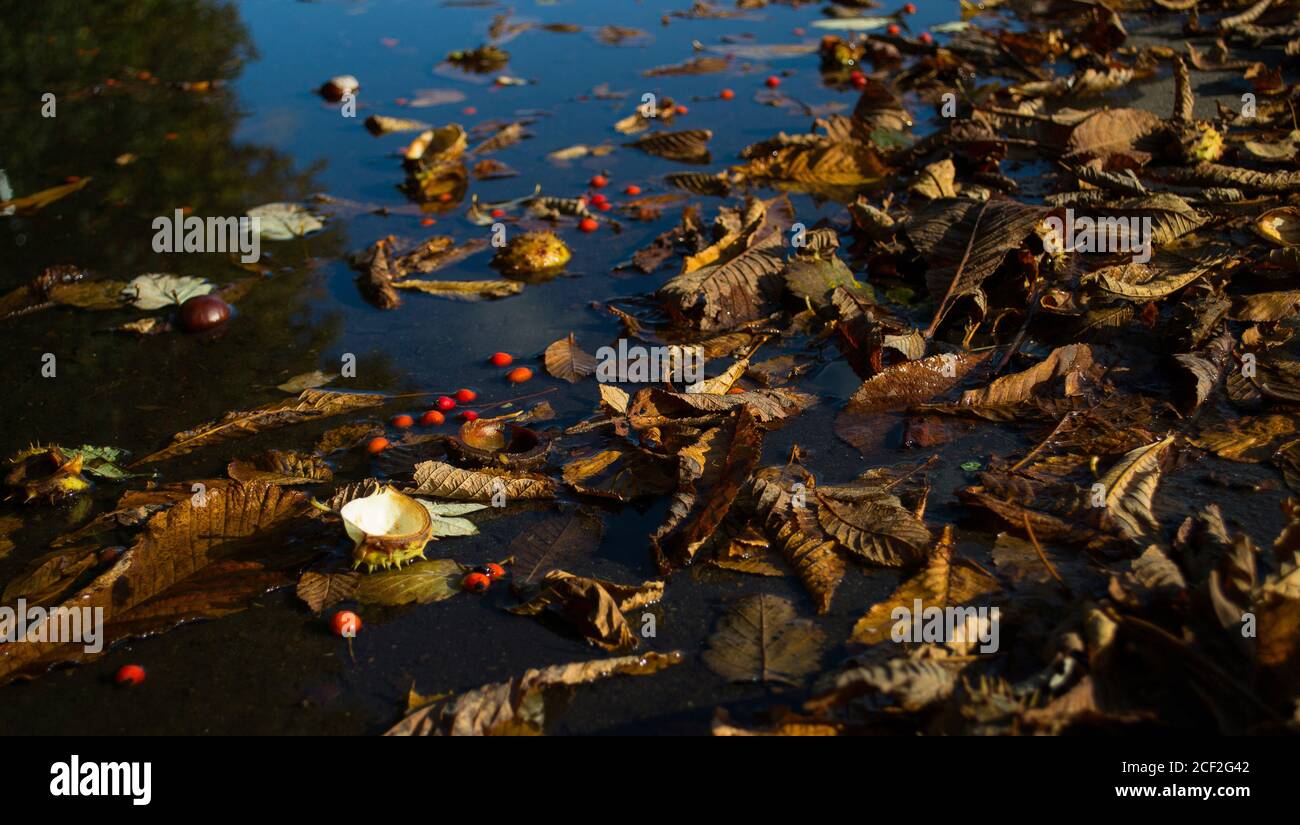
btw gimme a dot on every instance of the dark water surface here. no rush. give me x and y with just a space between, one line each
266 136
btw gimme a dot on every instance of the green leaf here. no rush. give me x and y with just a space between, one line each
285 221
100 461
159 289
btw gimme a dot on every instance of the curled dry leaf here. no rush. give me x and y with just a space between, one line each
945 582
595 608
1130 485
879 531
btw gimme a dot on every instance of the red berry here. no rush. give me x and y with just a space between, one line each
498 213
927 38
401 101
427 222
403 421
773 81
588 225
681 110
632 190
859 83
910 8
502 359
855 75
445 196
465 396
129 675
597 181
377 445
799 31
470 110
605 206
495 571
893 30
469 415
432 418
519 375
345 623
444 403
598 199
727 94
476 583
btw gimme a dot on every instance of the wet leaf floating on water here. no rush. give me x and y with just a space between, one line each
896 388
347 436
1071 367
910 685
964 243
307 381
383 125
310 405
281 468
321 591
520 707
178 543
422 582
557 542
794 532
440 480
879 531
690 146
759 639
723 295
595 608
564 359
703 64
463 290
158 290
39 200
285 221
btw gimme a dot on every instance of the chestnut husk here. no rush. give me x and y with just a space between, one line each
525 449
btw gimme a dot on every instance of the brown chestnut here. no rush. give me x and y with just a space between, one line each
203 312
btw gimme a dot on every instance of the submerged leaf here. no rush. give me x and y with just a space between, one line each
760 640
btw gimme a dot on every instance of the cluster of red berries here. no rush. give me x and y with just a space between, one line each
480 578
431 418
518 375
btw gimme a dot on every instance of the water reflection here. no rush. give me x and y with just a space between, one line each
144 106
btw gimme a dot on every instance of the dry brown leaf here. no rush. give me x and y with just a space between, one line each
759 639
519 707
438 479
564 359
945 582
311 405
